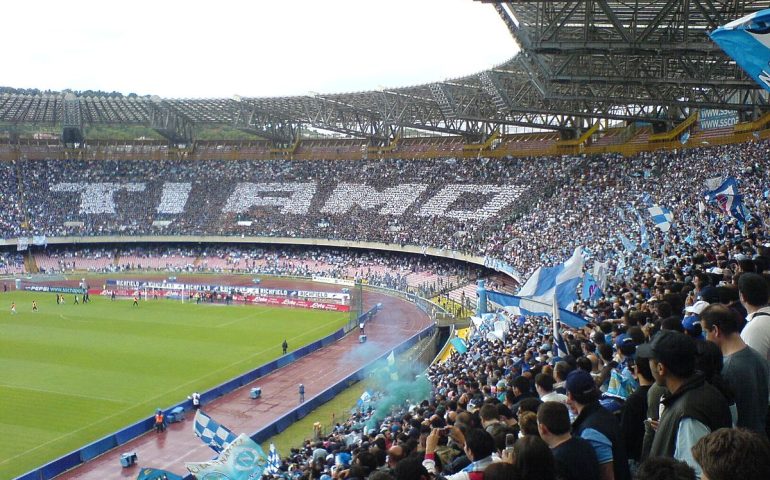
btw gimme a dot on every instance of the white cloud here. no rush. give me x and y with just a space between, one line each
250 48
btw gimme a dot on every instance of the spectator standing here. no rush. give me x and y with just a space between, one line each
597 425
574 457
754 294
693 408
634 413
745 370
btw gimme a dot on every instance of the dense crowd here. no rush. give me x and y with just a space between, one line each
668 380
547 211
427 276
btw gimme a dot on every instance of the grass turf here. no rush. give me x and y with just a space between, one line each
71 374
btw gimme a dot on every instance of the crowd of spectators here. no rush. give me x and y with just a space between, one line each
659 387
669 379
555 205
427 276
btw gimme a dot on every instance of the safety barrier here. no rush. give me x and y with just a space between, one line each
94 449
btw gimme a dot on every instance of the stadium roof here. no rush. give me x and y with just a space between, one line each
581 61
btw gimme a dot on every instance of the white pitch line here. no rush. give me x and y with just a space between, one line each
191 382
53 392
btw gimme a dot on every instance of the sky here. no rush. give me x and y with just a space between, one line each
257 48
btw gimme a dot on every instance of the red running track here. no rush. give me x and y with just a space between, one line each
319 370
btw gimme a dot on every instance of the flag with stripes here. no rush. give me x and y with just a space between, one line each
662 217
560 281
516 305
273 461
216 436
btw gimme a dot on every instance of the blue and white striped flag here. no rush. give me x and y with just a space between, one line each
532 308
747 41
273 461
211 432
662 217
560 281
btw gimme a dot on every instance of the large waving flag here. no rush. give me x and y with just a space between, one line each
211 432
516 305
747 41
728 199
242 459
560 281
662 217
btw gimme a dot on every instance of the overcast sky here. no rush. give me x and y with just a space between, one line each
192 49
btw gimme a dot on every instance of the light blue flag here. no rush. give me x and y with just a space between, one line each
459 345
211 432
591 290
627 243
243 459
156 474
561 280
645 243
662 217
516 305
747 41
685 137
273 460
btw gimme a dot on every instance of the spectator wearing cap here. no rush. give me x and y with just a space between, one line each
544 385
621 382
754 294
597 425
574 457
634 411
733 453
745 370
692 408
692 327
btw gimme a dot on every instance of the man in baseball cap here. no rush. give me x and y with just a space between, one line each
597 425
693 408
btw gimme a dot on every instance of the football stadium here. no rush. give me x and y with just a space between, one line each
554 268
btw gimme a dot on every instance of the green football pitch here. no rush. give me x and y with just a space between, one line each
71 374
